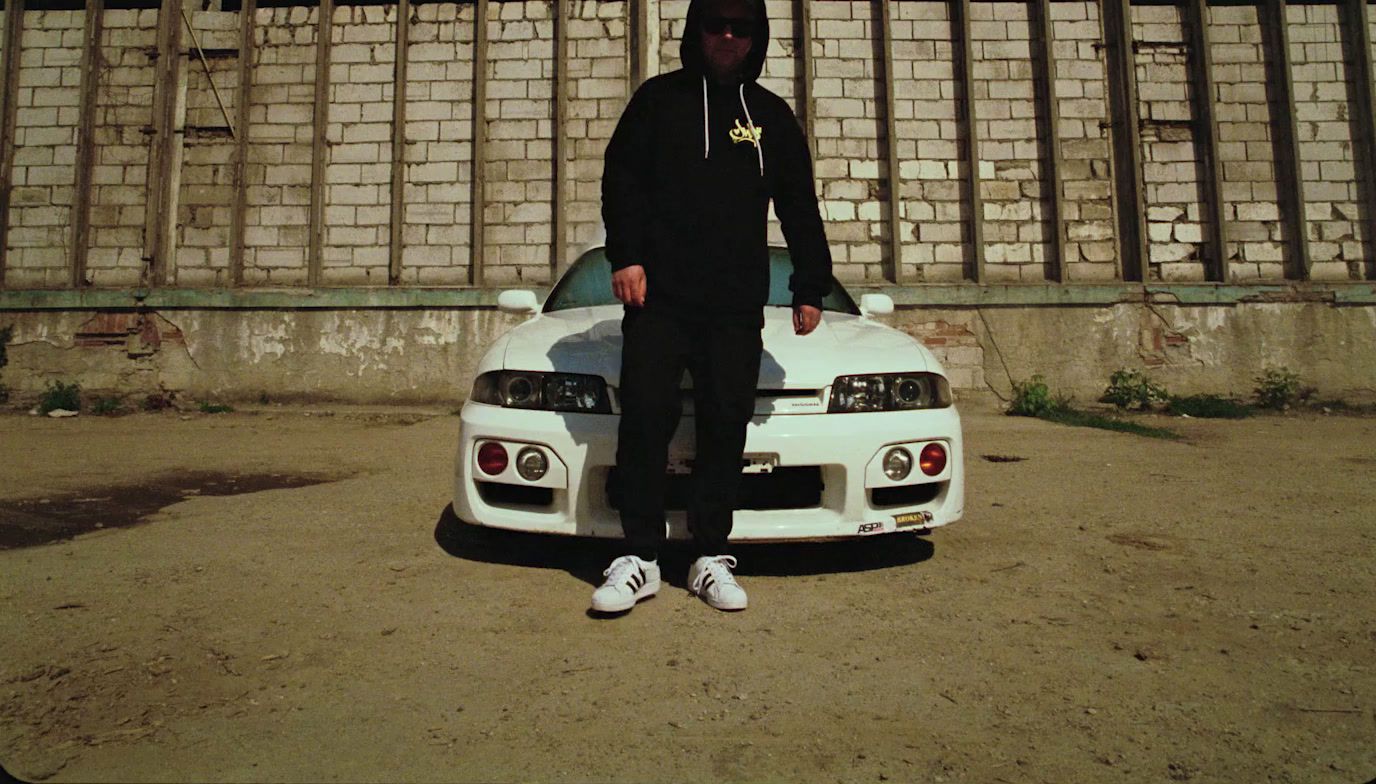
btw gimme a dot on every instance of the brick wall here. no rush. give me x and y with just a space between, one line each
439 147
1333 218
931 149
1254 233
356 249
278 170
207 175
849 134
520 143
119 175
1013 184
1089 251
599 80
45 150
1172 176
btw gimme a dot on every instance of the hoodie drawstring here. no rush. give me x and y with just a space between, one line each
706 125
706 137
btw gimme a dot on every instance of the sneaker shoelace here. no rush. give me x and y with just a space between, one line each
619 573
719 569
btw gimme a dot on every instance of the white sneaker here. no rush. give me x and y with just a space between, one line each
710 577
629 580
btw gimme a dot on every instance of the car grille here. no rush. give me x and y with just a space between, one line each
775 402
789 487
500 494
768 402
906 495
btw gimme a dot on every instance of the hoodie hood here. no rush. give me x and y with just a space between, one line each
691 47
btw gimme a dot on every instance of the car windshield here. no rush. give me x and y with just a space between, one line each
588 283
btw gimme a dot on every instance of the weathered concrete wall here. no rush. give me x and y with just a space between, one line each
1190 349
407 356
394 356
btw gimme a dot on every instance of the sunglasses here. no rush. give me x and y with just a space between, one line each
740 28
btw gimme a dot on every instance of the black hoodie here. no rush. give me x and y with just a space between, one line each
689 175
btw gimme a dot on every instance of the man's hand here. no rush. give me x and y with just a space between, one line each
805 319
628 285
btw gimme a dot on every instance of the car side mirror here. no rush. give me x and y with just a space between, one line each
518 302
875 305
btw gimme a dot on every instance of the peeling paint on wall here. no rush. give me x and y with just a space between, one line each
264 339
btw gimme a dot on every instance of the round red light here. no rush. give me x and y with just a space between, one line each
932 461
492 458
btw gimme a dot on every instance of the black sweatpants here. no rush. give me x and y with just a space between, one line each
724 363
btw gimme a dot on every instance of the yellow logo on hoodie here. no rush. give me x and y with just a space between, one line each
743 133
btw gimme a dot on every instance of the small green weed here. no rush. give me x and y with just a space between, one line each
1070 416
1033 398
1132 390
59 395
1208 407
1277 388
107 406
215 408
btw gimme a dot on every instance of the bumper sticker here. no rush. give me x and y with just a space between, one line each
869 528
912 518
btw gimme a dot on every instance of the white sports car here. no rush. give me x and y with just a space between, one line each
854 431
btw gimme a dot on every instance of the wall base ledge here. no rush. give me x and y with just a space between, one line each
933 295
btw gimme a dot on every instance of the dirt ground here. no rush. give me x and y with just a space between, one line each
280 595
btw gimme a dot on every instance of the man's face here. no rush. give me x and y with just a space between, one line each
728 29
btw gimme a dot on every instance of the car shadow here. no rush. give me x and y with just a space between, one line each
584 558
786 559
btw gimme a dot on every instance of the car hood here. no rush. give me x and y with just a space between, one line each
588 340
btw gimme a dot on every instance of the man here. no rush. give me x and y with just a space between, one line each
690 172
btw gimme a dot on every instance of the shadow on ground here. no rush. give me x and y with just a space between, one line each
34 521
585 558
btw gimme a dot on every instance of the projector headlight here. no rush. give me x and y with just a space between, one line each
545 391
889 392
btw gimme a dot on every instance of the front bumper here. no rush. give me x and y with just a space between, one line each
572 497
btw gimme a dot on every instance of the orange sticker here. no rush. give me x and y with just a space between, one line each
912 518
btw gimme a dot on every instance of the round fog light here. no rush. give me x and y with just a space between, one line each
531 463
933 459
492 458
898 462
